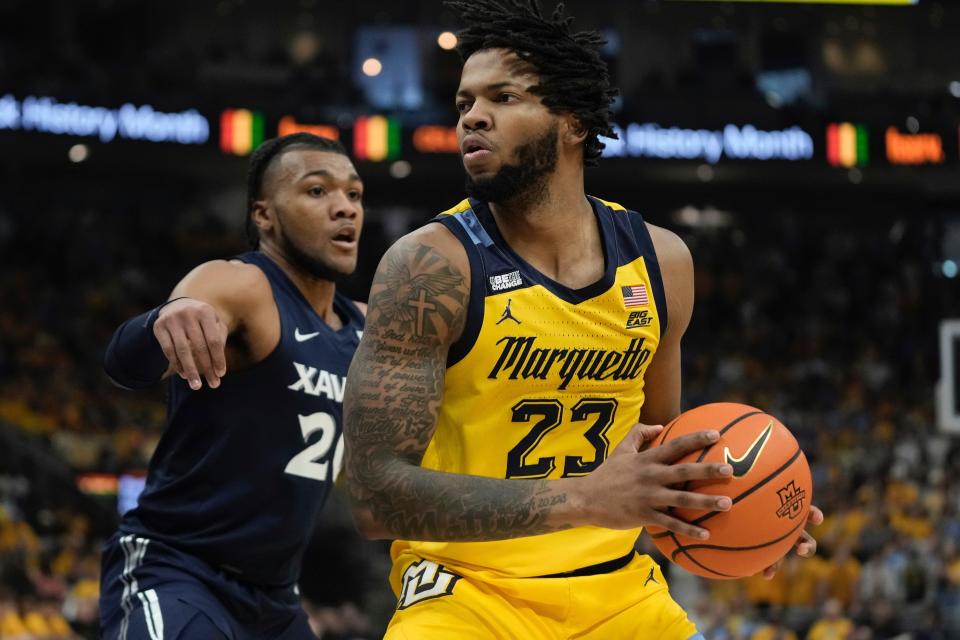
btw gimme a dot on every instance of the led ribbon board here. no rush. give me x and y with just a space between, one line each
241 131
914 148
436 139
847 145
131 122
650 140
288 125
376 138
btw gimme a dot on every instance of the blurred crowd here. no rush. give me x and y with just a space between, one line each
830 325
75 276
49 566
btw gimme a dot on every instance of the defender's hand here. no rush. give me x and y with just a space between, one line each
193 339
806 546
635 486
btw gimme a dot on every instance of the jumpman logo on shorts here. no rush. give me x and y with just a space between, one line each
650 577
507 314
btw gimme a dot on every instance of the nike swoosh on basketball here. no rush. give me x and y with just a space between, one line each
303 337
742 465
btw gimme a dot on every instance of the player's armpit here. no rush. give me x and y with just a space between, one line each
417 310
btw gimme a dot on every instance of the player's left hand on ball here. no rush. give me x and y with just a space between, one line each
806 546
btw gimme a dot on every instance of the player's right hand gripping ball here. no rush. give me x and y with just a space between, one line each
771 490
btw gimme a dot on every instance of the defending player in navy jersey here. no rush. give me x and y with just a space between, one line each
257 350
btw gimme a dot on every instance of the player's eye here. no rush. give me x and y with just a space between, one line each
356 196
316 192
506 97
463 107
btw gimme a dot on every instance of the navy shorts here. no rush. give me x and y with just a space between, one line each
151 591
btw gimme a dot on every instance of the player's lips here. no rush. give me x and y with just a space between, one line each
346 237
475 149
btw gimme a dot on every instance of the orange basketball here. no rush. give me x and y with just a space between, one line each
771 490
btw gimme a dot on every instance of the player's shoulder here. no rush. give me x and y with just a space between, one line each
235 273
431 242
230 279
239 292
460 207
614 206
670 247
432 262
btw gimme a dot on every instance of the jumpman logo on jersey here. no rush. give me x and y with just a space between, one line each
650 577
507 314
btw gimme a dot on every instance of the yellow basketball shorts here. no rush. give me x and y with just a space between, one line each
451 603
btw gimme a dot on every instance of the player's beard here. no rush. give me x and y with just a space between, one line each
526 179
302 260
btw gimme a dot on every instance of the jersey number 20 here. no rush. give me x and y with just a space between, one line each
314 461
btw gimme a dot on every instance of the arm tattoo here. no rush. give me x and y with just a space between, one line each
418 304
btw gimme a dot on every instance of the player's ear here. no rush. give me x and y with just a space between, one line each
572 129
261 215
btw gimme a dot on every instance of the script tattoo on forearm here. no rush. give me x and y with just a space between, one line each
418 304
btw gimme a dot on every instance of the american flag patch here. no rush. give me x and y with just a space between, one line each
635 295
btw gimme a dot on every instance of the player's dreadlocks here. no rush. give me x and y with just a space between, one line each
573 77
263 157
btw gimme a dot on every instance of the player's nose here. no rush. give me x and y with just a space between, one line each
477 118
345 206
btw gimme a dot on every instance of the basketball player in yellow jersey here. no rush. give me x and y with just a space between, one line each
511 346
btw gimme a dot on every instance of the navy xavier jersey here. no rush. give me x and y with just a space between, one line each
241 471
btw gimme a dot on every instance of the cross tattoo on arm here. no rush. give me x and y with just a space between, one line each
421 305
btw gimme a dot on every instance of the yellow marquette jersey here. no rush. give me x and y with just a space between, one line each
545 381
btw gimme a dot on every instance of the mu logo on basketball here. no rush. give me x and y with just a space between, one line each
791 501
